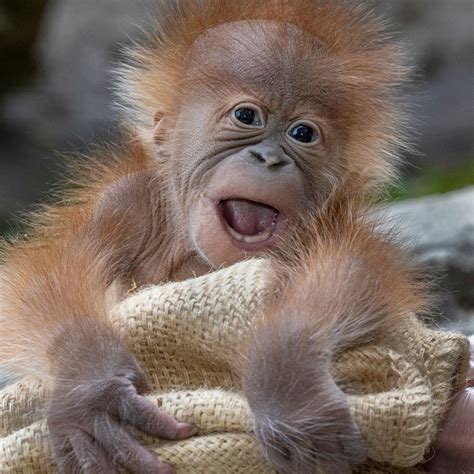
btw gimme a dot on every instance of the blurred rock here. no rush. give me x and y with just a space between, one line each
77 47
440 230
439 35
69 102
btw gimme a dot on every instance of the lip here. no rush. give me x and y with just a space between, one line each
257 245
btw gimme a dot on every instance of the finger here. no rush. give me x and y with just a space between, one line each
90 455
63 455
142 414
127 451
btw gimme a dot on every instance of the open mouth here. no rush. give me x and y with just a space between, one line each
247 221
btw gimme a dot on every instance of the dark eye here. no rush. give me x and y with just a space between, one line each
248 116
304 133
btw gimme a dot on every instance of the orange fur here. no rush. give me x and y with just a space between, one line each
342 280
344 252
59 271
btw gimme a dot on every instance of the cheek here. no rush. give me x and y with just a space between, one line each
323 173
184 159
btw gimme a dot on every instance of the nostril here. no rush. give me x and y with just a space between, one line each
257 156
269 160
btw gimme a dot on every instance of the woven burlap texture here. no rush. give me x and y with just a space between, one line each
398 389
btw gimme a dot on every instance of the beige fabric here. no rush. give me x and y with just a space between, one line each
183 335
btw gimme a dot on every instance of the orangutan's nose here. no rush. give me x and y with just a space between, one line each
270 154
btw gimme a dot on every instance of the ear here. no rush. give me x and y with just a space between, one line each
159 131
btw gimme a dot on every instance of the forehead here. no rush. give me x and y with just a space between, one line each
276 61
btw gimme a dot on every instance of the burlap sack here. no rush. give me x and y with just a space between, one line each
181 333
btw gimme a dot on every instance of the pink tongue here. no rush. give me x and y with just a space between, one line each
248 218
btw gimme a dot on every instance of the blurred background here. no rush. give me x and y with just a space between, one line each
56 58
55 95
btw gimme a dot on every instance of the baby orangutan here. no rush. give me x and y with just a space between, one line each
243 117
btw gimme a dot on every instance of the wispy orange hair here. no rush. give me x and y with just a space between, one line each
372 66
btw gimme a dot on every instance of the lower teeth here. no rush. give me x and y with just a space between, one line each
252 239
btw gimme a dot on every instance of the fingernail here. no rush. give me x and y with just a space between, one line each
165 469
185 430
159 402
